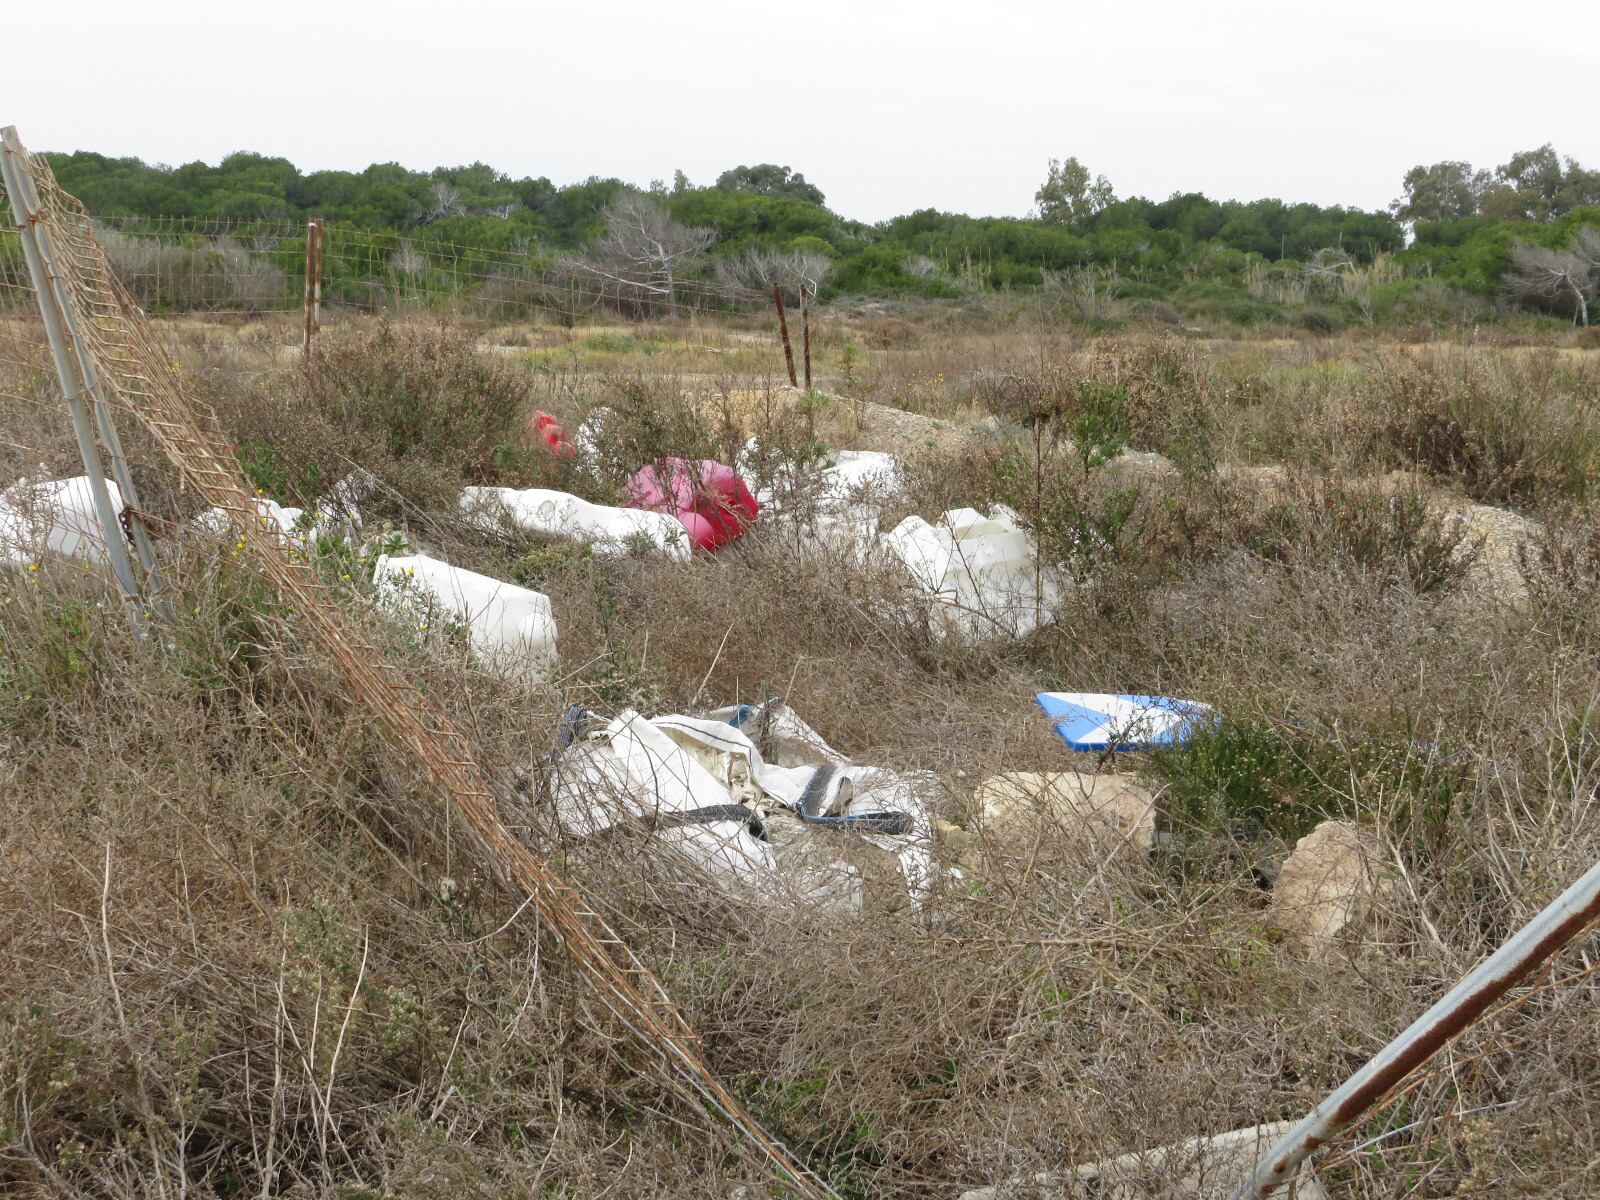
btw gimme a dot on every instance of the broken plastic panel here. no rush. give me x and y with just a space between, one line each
1098 721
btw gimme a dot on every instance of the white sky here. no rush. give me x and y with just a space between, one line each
887 105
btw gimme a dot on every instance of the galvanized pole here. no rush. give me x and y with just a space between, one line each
132 510
36 250
783 328
1567 916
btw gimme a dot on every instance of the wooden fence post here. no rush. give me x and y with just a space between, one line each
313 281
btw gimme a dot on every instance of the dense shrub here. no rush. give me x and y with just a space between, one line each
1390 533
1512 431
426 392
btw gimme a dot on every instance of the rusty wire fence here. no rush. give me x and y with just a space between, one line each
78 358
252 268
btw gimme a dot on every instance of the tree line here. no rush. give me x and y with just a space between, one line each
1460 243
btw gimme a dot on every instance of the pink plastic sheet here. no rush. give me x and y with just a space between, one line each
708 497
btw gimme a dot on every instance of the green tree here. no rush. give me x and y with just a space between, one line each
1068 196
1444 191
1540 185
768 179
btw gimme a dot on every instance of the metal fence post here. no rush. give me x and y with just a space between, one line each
1568 915
132 515
36 250
805 334
783 328
313 282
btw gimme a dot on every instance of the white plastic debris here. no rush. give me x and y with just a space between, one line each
835 507
1209 1167
510 627
632 772
980 572
678 774
1098 721
336 516
610 530
289 524
54 517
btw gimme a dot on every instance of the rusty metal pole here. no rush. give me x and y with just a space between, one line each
313 282
783 328
1567 916
805 335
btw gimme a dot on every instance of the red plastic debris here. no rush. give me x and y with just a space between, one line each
548 428
712 502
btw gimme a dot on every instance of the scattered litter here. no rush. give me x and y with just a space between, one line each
1331 885
751 795
855 471
1114 813
336 517
708 497
510 627
55 517
1100 721
836 506
290 525
980 571
551 433
631 772
610 530
1199 1168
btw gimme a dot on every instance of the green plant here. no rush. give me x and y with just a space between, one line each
1098 423
1250 777
1388 532
429 393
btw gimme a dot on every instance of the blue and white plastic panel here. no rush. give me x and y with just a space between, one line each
1106 721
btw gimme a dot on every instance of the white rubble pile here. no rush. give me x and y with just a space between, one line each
55 517
610 530
748 815
1333 884
1113 814
510 627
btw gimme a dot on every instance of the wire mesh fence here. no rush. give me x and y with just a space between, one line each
91 331
180 265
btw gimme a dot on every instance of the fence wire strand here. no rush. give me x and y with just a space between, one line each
142 381
256 267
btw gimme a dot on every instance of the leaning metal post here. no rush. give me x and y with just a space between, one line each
35 247
783 328
1567 916
132 509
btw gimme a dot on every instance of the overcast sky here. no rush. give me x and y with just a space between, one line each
887 106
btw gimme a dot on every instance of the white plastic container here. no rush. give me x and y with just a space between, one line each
610 530
55 517
979 570
510 627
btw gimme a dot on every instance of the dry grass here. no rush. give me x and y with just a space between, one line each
244 955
